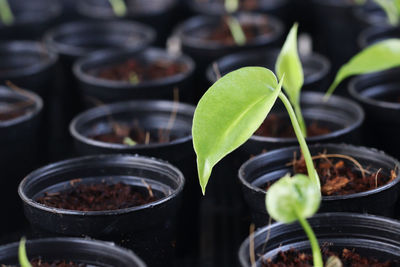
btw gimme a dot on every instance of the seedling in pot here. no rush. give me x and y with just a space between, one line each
231 6
6 15
119 7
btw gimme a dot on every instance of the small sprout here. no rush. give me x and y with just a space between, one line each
134 78
128 141
231 6
119 7
22 257
377 57
333 261
295 199
6 15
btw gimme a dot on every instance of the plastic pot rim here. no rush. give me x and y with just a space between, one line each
128 158
272 153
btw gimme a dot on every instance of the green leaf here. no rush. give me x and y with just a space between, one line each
289 64
6 14
377 57
293 197
128 141
22 257
229 113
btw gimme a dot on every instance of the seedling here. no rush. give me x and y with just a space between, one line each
377 57
6 15
134 78
231 6
128 141
22 257
119 7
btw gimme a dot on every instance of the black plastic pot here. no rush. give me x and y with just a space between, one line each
190 37
147 229
271 166
31 19
336 30
27 64
107 91
76 39
156 13
343 116
315 66
371 236
151 115
279 8
370 14
91 252
382 124
19 152
375 34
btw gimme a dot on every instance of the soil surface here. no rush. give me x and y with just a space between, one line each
223 35
134 71
274 126
135 133
97 197
12 111
342 176
59 263
348 258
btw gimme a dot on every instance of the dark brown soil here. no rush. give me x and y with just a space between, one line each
273 126
342 177
16 110
223 35
59 263
135 72
348 257
135 133
97 197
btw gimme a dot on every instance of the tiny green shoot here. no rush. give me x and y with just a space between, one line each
295 199
6 15
377 57
119 7
231 6
133 78
128 141
22 256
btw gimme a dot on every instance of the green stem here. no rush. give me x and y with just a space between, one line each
300 119
22 257
236 30
312 173
119 7
231 6
6 14
316 251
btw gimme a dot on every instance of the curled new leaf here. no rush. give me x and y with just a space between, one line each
289 64
292 198
229 113
377 57
22 257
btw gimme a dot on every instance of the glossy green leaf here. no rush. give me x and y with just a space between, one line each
229 113
289 64
377 57
22 257
293 197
